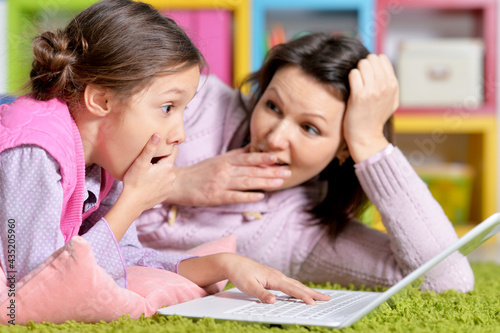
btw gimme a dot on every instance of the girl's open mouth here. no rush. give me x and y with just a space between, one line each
156 159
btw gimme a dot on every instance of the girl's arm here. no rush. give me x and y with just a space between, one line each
31 199
247 275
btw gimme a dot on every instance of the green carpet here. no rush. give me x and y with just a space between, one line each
478 311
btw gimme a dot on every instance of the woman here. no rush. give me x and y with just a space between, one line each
320 116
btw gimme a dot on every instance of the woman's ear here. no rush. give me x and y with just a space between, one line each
96 100
342 152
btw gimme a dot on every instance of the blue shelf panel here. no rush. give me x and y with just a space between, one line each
361 12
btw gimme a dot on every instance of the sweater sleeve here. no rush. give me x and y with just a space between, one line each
31 199
417 230
417 227
129 251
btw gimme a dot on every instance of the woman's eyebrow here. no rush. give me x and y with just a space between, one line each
316 115
277 94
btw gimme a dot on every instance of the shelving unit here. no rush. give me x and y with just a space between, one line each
296 16
475 128
25 15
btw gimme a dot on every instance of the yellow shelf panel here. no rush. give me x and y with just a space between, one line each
446 123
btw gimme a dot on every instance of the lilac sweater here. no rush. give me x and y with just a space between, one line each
276 231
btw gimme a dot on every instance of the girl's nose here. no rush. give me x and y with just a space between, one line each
177 135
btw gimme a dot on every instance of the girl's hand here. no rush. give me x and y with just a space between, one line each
373 99
247 275
254 279
227 178
148 184
144 186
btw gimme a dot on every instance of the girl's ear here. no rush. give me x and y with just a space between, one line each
96 100
342 152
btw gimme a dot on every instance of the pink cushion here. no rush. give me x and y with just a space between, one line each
70 285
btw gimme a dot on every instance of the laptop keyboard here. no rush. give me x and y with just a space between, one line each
286 306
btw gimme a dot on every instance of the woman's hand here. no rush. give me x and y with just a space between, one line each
227 178
144 186
373 99
247 275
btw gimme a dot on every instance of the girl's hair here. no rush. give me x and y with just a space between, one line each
329 59
117 44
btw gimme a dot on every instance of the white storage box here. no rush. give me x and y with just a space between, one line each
441 73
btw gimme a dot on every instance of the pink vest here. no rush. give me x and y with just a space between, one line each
50 126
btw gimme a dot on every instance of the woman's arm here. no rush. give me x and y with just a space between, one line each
417 227
417 230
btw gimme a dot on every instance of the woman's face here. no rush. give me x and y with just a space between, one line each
156 109
300 120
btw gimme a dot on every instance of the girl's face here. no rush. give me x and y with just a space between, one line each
156 109
300 120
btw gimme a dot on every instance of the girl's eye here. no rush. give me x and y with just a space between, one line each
270 105
309 129
167 108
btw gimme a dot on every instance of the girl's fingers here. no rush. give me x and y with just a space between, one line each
300 291
169 161
149 150
265 296
296 289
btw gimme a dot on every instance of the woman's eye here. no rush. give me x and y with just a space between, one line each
167 108
270 105
311 130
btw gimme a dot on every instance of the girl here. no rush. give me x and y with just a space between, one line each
320 114
106 102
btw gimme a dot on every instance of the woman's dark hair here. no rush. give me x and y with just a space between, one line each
117 44
329 59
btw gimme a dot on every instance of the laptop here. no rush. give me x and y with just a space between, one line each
345 307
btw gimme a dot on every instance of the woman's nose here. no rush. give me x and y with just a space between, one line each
278 136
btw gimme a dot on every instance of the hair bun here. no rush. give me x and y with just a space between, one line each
52 65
